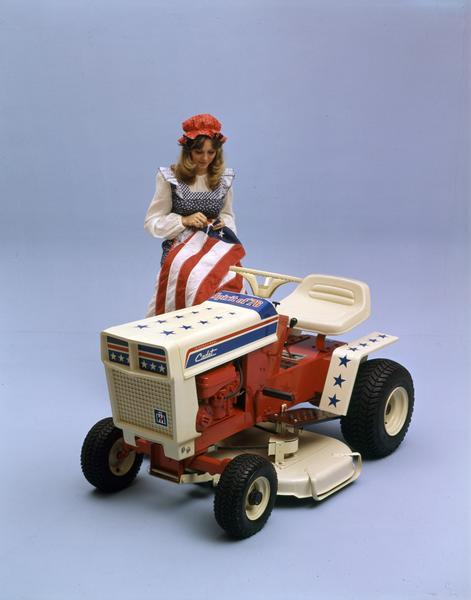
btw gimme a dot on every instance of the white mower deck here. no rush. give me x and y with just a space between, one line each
307 464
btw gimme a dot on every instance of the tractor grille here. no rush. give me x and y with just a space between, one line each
143 401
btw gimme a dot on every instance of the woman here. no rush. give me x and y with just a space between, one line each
195 194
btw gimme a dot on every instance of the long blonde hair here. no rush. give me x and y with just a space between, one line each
185 169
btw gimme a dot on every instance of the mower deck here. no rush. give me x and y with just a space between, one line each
307 464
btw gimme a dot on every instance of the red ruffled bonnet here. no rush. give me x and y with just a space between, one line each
201 125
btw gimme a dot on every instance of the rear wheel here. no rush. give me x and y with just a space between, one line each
380 408
245 495
106 461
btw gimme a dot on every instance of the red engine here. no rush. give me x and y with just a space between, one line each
217 394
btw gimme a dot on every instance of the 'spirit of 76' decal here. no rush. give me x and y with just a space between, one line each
223 345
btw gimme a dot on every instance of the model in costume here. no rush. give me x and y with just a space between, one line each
195 194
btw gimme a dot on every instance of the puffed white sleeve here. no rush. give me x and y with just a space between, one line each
227 212
159 220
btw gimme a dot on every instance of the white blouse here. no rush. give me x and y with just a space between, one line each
162 223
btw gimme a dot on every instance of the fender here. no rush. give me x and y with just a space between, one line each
343 369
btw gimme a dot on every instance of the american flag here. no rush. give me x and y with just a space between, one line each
197 267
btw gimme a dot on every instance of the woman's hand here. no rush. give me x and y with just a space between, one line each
218 224
197 220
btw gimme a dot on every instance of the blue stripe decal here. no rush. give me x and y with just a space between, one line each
152 350
199 356
263 307
112 340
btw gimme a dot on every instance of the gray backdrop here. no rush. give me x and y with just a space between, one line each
348 127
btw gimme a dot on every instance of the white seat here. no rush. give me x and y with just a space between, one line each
327 305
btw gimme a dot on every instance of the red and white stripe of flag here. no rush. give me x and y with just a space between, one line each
195 269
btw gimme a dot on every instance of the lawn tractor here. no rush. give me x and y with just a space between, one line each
222 392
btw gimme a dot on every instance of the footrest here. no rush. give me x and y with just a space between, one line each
302 416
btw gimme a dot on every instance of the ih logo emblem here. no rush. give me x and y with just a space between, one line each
160 417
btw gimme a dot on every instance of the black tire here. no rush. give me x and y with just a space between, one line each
245 495
380 408
101 464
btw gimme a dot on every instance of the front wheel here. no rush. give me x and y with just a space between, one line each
245 495
106 461
380 408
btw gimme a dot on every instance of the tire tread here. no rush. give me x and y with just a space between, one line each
359 426
94 458
230 495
